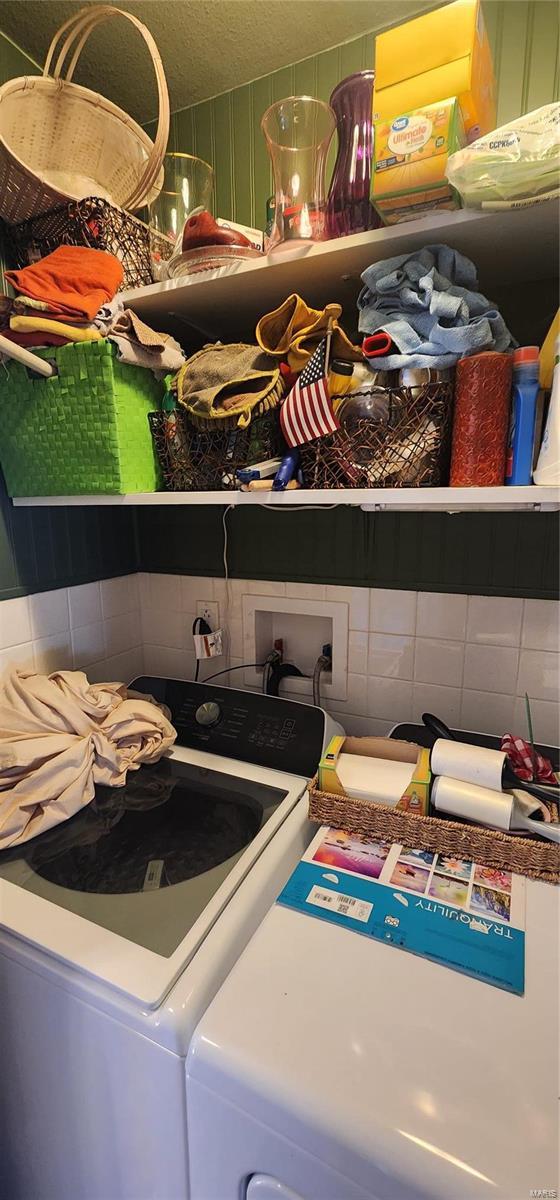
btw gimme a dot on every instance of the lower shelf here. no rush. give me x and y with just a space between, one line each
499 499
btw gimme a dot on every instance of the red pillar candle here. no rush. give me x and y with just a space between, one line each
481 420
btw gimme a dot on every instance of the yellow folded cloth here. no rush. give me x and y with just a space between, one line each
74 333
294 330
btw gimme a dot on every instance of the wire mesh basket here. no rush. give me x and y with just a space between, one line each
206 460
405 444
92 222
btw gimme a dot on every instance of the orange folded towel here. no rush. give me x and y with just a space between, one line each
73 279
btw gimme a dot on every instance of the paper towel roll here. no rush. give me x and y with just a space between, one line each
475 803
472 764
377 779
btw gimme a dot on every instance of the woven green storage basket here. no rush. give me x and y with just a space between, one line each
84 431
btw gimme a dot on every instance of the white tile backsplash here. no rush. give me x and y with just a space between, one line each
53 653
119 596
539 675
88 644
389 699
391 655
392 611
545 717
15 622
541 625
441 615
85 604
438 661
481 711
64 630
468 659
358 600
494 620
49 613
358 651
442 701
490 668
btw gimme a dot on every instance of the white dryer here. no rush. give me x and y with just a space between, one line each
333 1067
118 927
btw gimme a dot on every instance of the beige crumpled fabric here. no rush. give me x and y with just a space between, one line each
60 736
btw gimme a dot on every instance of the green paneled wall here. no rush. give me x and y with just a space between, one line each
46 548
226 130
504 554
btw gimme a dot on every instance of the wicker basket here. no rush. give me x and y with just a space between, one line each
92 222
205 460
411 448
60 141
490 848
84 430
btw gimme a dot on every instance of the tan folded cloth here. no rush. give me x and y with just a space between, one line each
59 737
224 381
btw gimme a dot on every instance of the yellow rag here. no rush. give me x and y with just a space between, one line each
74 333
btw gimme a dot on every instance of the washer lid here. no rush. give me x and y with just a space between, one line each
408 1078
128 887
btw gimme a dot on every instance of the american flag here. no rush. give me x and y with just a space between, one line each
307 412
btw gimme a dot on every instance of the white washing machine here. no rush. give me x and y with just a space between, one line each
118 927
334 1067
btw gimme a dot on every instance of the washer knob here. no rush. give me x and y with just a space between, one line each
208 713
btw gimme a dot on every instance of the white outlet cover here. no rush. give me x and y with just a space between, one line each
212 608
337 613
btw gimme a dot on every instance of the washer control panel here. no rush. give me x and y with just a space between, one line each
281 734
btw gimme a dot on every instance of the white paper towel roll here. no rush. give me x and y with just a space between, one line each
475 803
377 779
472 764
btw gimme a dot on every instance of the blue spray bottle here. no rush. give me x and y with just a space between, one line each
519 457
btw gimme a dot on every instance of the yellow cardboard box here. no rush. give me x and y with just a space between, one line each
411 154
415 798
443 53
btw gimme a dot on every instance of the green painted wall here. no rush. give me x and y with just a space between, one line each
506 554
226 130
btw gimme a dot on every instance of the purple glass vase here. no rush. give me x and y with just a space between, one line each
349 209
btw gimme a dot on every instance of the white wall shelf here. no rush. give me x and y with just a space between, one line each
499 499
509 249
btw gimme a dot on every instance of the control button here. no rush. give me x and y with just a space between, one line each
208 713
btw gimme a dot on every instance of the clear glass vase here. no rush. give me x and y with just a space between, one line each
187 185
298 132
349 209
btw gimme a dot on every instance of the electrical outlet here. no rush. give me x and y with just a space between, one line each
210 610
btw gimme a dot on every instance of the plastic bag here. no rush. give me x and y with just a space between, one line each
514 166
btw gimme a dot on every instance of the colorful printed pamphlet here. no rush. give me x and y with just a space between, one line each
456 912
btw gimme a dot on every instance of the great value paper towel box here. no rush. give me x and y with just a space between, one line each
411 152
443 53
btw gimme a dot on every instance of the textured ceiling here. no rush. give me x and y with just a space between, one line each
207 46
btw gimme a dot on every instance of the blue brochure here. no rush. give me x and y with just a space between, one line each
456 912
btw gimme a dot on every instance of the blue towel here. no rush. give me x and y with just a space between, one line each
429 304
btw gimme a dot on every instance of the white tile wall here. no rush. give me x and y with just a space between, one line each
93 627
469 659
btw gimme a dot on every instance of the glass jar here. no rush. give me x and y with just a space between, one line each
298 132
187 185
349 208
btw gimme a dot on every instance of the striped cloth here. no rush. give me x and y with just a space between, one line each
307 411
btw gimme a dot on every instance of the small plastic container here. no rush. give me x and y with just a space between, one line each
521 438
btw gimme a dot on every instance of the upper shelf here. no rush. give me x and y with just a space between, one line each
498 499
508 248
